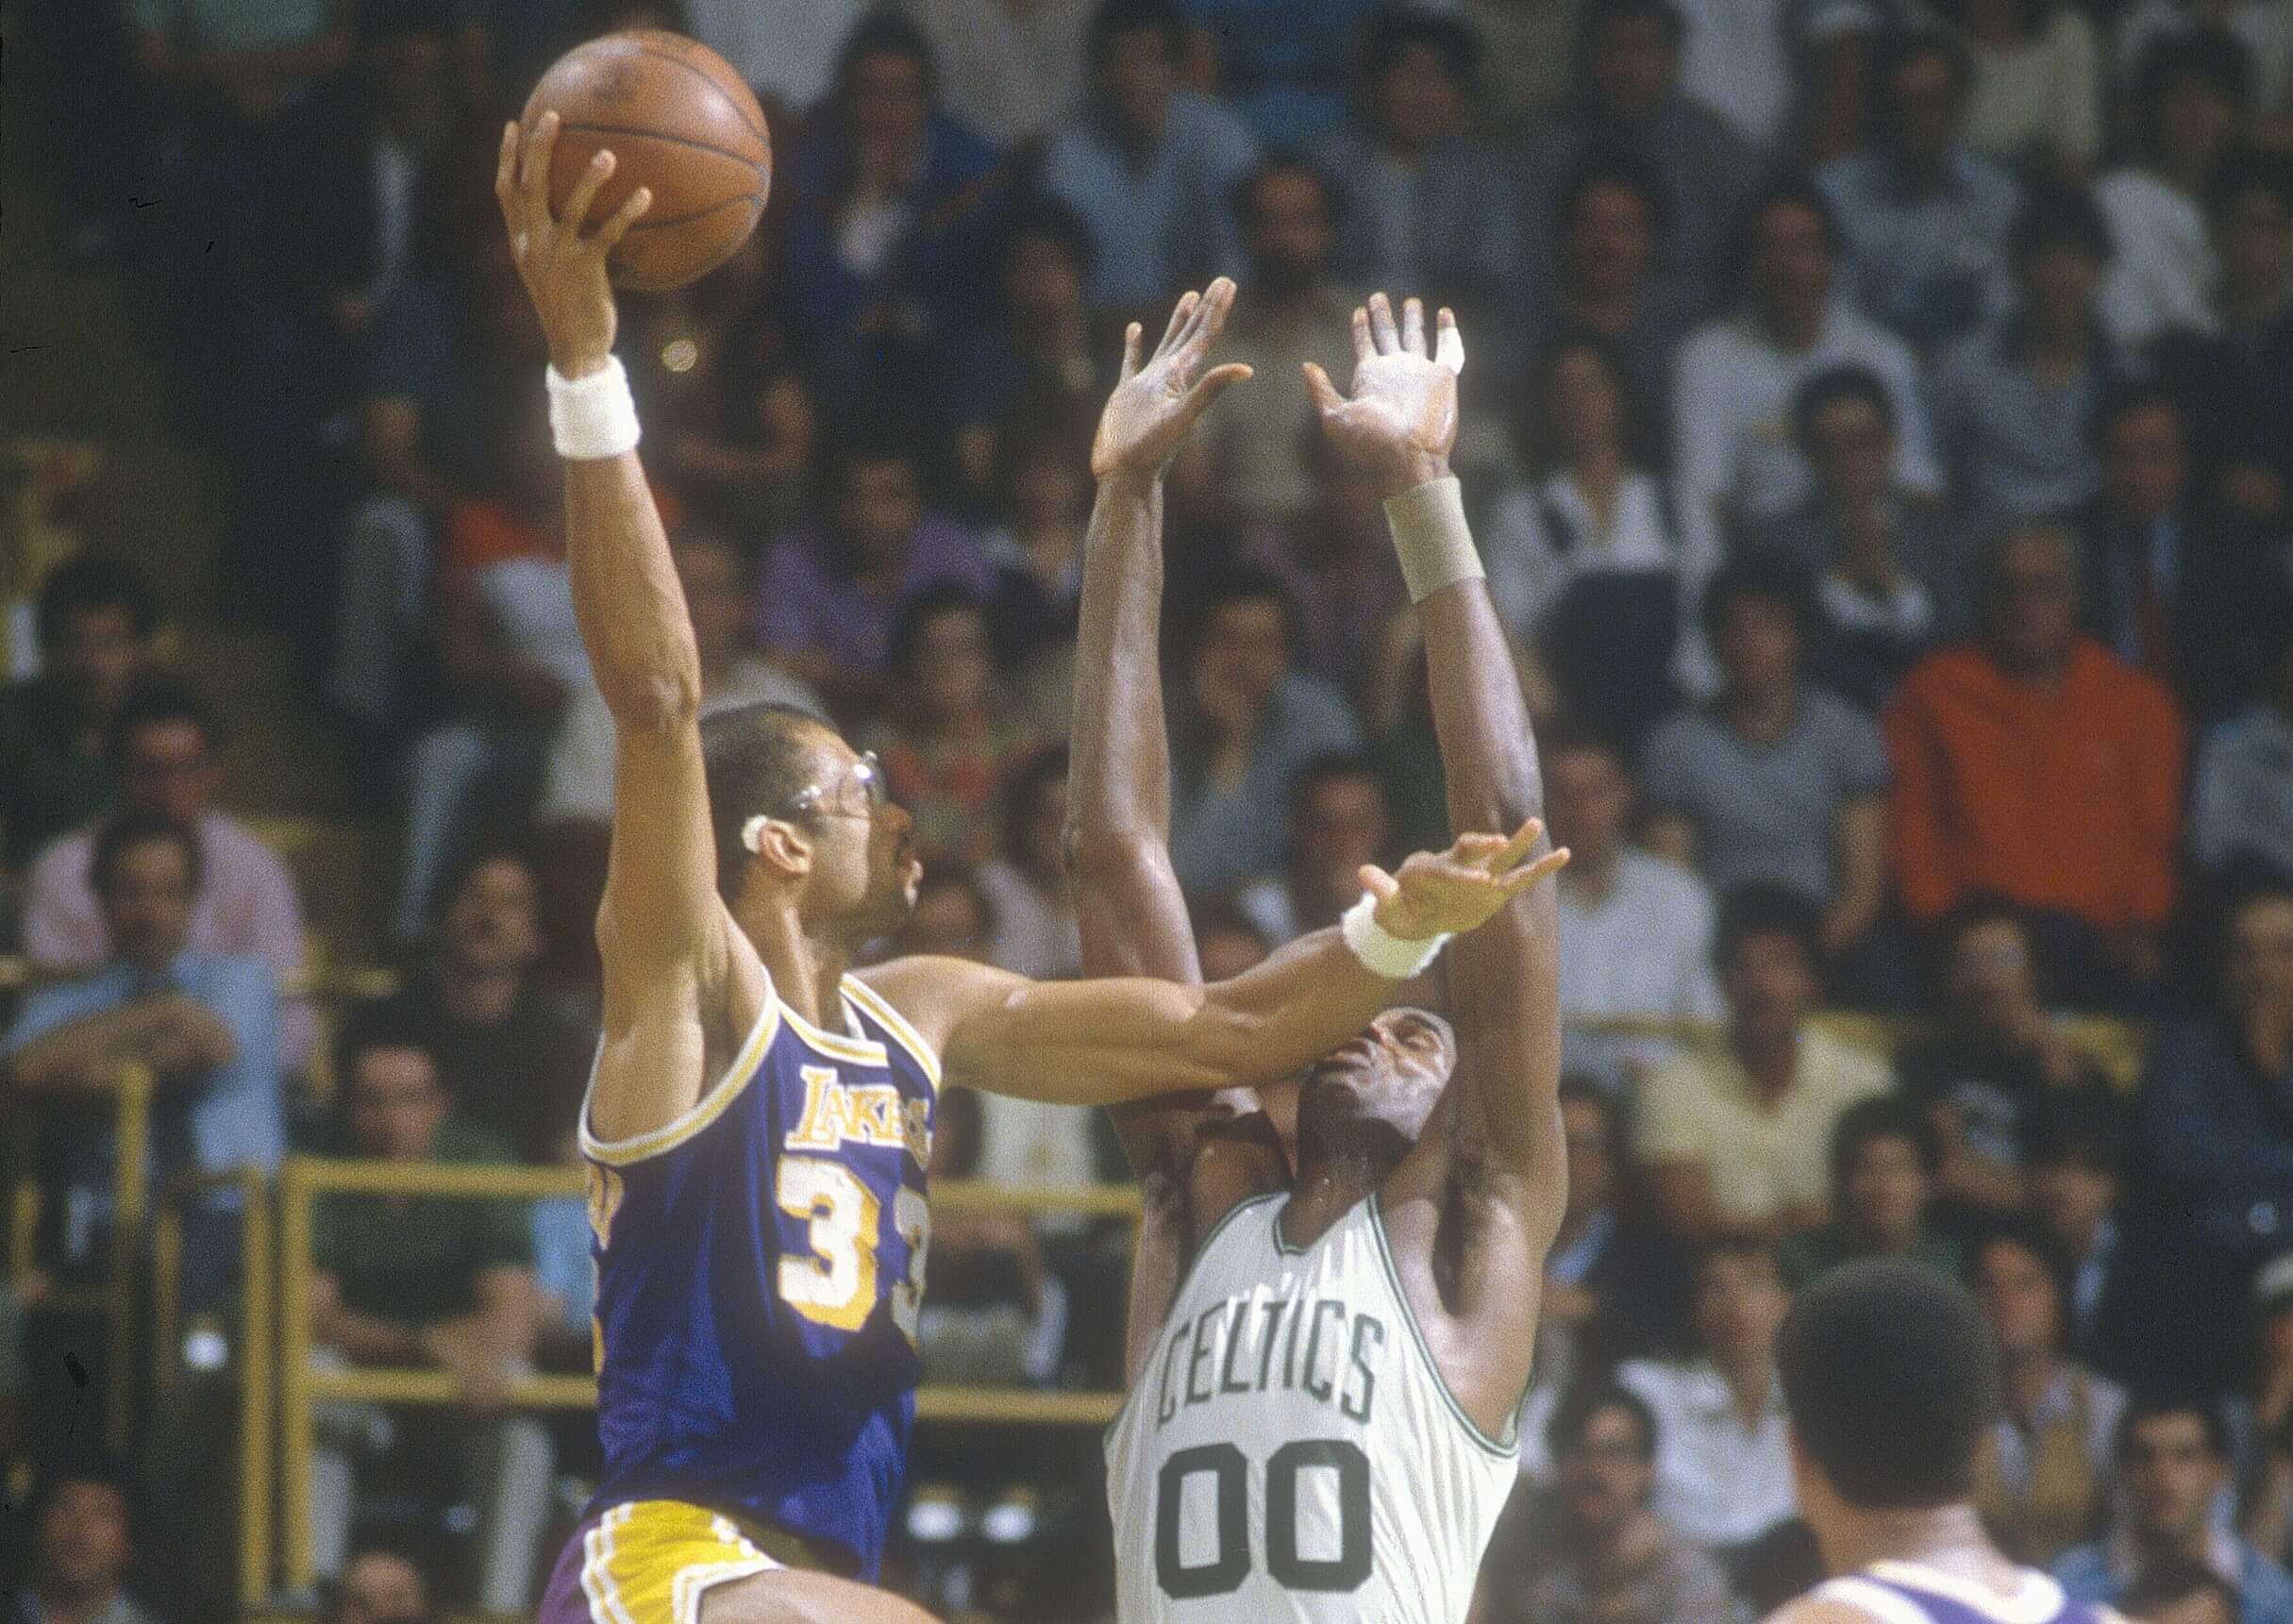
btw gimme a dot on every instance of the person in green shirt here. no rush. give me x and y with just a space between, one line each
1886 1157
96 619
444 1281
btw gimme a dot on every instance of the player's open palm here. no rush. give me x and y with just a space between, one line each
563 268
1461 889
1154 405
1401 420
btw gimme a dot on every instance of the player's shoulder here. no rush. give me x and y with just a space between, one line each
1821 1609
935 994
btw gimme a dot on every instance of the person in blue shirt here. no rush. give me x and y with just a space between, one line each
2174 1458
205 1024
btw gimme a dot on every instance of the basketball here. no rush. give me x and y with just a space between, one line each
680 121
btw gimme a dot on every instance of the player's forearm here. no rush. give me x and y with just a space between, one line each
1119 756
625 595
1291 1008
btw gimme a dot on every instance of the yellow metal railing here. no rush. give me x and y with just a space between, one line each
303 1178
252 1352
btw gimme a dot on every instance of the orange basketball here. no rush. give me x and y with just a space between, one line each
678 121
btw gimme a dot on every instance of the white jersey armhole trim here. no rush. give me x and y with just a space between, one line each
1177 1295
903 1032
711 1105
2038 1601
1506 1448
1884 1606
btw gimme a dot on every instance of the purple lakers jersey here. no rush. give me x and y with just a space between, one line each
1911 1593
759 1269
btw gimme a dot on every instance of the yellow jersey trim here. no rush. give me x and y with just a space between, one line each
868 998
638 1147
836 1046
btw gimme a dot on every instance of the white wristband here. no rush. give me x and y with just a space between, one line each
1430 537
1381 951
593 416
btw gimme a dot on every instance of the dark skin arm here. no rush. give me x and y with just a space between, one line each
1473 1208
1132 915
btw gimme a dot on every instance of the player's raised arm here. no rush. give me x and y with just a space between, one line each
663 933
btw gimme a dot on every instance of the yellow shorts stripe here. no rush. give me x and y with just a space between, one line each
649 1562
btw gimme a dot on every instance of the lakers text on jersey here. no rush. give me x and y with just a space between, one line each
1290 1451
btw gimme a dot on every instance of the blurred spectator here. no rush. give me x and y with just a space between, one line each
2265 1516
1152 168
826 598
1776 780
16 1295
947 737
2042 1471
1925 219
2172 580
1638 927
1046 490
1035 933
1629 110
2035 101
1723 1448
1039 361
380 1588
2191 94
2265 30
427 1280
2181 1592
2074 1159
96 619
1584 564
162 749
2174 1456
1339 820
952 917
2014 405
1885 1160
2235 380
1999 1059
1736 1139
236 67
83 1546
1283 63
1335 563
1738 60
1248 722
2207 1195
1427 211
1226 941
513 1062
1610 226
1292 311
2241 805
1530 50
205 1024
788 49
1617 1561
449 362
741 440
1011 69
1615 1286
1889 571
997 1318
1733 461
890 203
2037 765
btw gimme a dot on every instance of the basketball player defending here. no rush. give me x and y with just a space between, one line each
1890 1381
759 1118
1324 1369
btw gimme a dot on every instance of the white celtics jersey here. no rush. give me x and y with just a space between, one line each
1290 1452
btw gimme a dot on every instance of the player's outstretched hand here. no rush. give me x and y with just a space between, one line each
1154 406
1401 419
563 269
1463 888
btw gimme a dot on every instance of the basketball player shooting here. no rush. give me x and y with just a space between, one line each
759 1120
1324 1369
1891 1380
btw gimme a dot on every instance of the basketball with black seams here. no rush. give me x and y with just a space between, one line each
679 121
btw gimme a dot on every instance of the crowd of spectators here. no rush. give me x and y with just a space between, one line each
1880 439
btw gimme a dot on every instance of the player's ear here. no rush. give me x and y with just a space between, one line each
786 848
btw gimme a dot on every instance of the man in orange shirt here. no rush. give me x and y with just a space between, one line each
2037 765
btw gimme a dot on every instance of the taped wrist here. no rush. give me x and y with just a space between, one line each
1431 538
1382 952
593 416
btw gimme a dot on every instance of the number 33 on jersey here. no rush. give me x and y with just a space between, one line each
770 1242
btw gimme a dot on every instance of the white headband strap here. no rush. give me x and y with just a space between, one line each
752 833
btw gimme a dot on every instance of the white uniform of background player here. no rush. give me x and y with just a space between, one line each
1323 1367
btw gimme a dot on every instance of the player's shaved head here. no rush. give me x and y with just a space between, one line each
1890 1381
756 758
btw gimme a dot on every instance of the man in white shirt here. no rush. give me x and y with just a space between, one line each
785 49
1638 929
1011 69
1735 461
